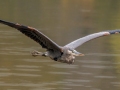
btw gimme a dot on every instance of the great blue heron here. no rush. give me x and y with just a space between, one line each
65 54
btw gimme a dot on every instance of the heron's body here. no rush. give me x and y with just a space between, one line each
65 54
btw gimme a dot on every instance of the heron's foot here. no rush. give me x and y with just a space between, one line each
36 53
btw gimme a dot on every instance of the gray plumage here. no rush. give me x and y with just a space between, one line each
65 54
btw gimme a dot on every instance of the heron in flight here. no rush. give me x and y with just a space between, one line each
65 54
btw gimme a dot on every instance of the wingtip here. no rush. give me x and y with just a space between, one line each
9 23
15 25
114 31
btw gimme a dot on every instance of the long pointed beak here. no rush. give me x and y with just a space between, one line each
81 54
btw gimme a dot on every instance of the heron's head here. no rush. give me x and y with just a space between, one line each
69 55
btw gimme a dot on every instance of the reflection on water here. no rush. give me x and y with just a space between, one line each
98 70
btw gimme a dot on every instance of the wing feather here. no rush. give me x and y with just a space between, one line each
87 38
36 35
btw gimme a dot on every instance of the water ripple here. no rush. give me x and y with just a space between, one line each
27 66
18 74
64 66
103 54
93 61
82 73
60 73
76 80
97 66
106 77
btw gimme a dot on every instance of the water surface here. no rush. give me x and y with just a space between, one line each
63 21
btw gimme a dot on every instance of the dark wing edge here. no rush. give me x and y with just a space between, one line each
34 34
87 38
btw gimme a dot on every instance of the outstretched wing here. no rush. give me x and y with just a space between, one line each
34 34
82 40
